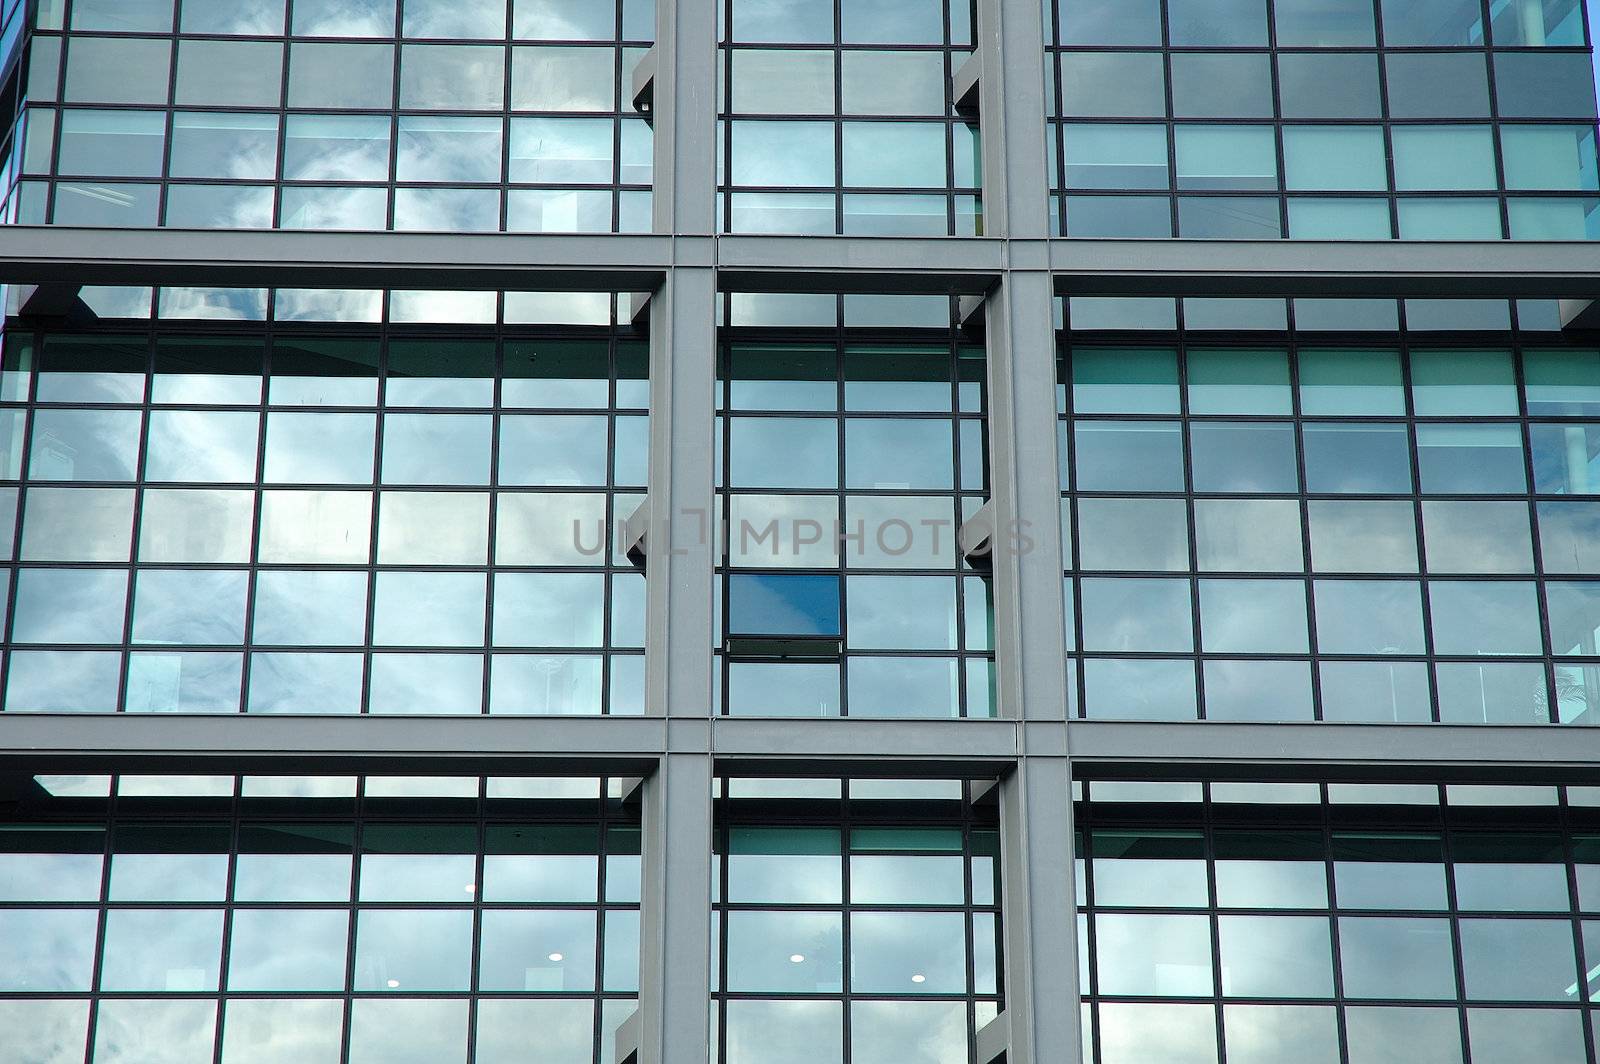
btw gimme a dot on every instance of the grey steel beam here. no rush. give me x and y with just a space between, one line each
1498 269
1039 913
636 262
484 261
1335 751
675 917
757 746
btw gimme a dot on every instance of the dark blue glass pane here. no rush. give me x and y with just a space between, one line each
783 605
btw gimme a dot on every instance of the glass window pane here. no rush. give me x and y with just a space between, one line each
1136 614
894 154
1544 85
1392 957
1128 456
1432 23
549 950
255 1030
549 78
1335 158
341 75
1139 690
782 153
1276 956
1529 960
1221 85
1549 157
1470 459
162 950
118 70
1133 534
1113 85
288 949
872 83
462 77
412 950
69 606
440 18
1226 381
1133 22
1569 537
1333 85
889 951
1243 457
1226 157
1436 84
1245 535
1158 956
181 1032
1368 617
1253 616
762 947
1477 537
417 1031
1217 23
755 1027
112 143
221 73
1501 693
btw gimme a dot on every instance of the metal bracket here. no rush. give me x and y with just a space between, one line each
993 1041
644 84
970 314
636 534
48 301
976 537
1580 314
627 1043
965 84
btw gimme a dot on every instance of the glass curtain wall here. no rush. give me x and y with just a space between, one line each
362 514
437 115
1386 526
185 920
856 922
848 458
1237 923
1323 119
839 119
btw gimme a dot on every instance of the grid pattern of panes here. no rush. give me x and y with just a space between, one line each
437 115
856 931
838 119
14 35
1348 527
1323 119
1259 923
847 461
322 519
436 921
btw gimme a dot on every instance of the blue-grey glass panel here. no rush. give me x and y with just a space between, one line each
463 77
901 613
1368 617
336 148
908 953
1335 85
1253 616
894 154
1549 157
305 683
1257 690
1497 693
162 950
1437 85
1394 957
259 18
183 683
1157 956
413 950
783 605
69 606
903 687
93 445
1136 614
1322 23
414 1031
254 1029
1477 537
563 20
1132 22
1139 690
1569 537
288 949
1432 23
1485 617
223 73
1525 960
1128 456
63 682
344 18
1217 23
873 83
1221 85
546 950
757 21
1115 157
480 19
1388 1033
794 154
1119 216
1544 85
1229 217
756 1028
448 149
47 950
551 78
319 448
118 70
123 16
225 145
202 446
428 609
892 22
1359 459
1566 459
436 448
431 683
161 1032
112 143
548 609
898 453
1133 534
1276 956
784 952
1470 459
1243 457
327 74
1113 85
447 210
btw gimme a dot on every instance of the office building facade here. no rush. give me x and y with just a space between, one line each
762 531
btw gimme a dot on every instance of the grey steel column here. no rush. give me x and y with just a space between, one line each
675 942
1030 637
